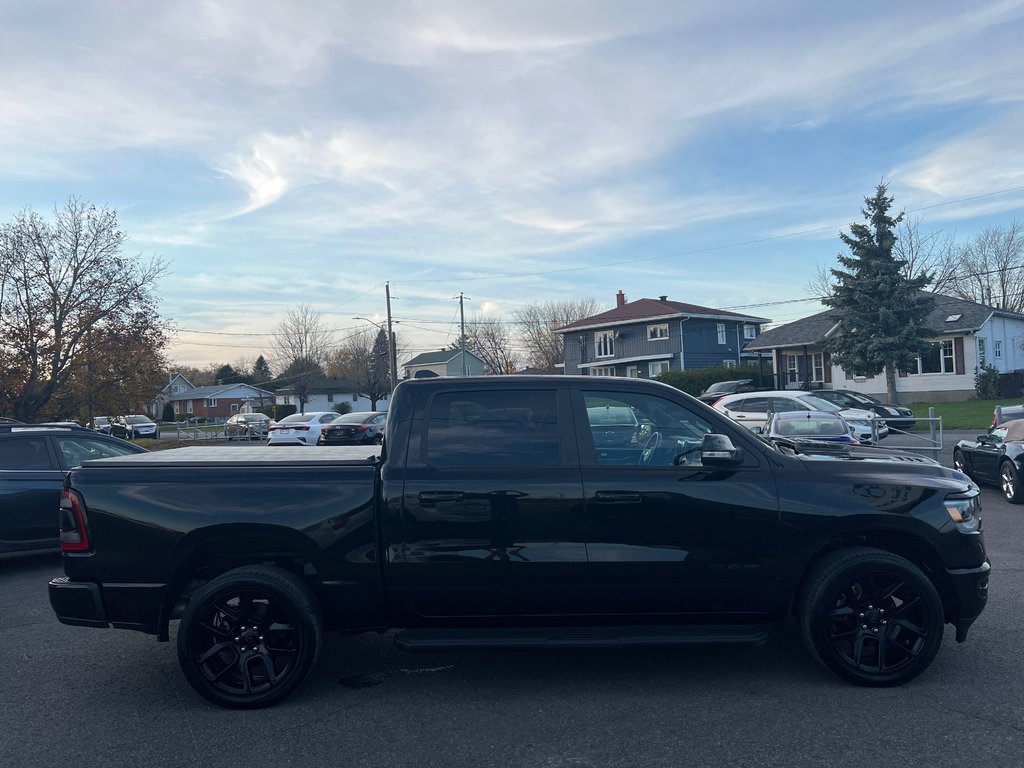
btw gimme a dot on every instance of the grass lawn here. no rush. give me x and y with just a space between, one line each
969 414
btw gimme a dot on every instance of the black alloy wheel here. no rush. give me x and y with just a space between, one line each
249 637
1009 482
871 617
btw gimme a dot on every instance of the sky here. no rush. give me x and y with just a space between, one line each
277 154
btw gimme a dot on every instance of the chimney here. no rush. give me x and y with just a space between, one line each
620 299
663 298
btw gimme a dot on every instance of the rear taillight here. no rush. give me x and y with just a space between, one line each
362 428
73 535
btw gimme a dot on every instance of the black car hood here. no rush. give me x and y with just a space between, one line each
836 458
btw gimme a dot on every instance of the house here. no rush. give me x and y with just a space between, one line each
215 401
967 336
646 337
324 394
446 362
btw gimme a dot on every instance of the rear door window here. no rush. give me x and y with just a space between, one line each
24 453
493 429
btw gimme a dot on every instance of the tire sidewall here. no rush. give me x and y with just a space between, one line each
841 568
282 586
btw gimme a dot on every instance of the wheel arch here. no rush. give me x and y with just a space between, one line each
906 545
208 552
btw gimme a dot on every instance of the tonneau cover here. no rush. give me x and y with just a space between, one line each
226 455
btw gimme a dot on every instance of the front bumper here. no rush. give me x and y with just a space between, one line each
970 591
124 606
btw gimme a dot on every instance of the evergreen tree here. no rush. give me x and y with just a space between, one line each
881 310
261 371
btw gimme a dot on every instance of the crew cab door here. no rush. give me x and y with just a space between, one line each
490 522
666 535
30 483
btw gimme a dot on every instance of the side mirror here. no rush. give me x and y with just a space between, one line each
757 430
719 451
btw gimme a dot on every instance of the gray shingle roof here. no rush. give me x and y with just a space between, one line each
643 309
442 356
811 330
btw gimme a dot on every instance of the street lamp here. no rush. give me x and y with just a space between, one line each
392 373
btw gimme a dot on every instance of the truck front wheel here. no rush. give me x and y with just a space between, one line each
249 637
871 617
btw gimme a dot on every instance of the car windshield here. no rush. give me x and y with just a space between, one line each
101 420
723 386
255 417
801 425
862 399
819 403
299 418
137 420
610 415
352 418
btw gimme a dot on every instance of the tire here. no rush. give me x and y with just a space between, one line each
871 616
958 462
1009 482
249 637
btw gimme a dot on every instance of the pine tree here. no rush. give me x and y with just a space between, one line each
261 371
881 311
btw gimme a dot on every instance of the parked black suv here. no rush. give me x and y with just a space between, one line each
34 459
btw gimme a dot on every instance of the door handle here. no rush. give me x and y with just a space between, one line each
429 498
617 497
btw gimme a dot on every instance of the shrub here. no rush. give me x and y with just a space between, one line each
343 407
168 414
280 411
986 382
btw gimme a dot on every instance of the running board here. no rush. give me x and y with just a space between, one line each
437 640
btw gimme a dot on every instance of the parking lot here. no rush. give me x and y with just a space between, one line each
89 697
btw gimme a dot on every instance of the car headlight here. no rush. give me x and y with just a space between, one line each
964 509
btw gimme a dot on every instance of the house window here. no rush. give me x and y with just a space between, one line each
818 364
234 407
658 366
938 359
981 352
212 403
792 368
633 372
728 363
721 333
997 349
659 331
355 397
177 389
603 370
604 344
189 404
330 398
749 331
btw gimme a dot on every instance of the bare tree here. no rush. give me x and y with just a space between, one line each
990 270
362 358
302 343
62 281
494 342
537 323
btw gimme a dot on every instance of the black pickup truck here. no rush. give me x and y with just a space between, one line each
520 512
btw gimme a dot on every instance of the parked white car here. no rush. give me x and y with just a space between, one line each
753 409
300 428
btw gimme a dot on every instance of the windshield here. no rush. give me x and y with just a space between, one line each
353 418
818 403
137 420
724 386
301 418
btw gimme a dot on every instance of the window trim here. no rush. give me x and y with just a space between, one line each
602 370
997 349
721 333
662 365
943 357
604 344
749 331
654 328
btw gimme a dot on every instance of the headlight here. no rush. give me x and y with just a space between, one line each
964 509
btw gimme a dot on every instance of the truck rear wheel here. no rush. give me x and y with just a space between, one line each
249 637
871 617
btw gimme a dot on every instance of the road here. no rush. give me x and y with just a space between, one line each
88 697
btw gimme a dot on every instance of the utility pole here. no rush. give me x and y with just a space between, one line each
462 332
392 353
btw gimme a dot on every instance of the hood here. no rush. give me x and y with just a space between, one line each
858 414
890 465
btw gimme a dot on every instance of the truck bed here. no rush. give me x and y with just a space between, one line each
227 455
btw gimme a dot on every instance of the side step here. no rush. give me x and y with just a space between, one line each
519 638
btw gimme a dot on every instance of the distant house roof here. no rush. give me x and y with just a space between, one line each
949 315
218 390
324 386
441 356
654 309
